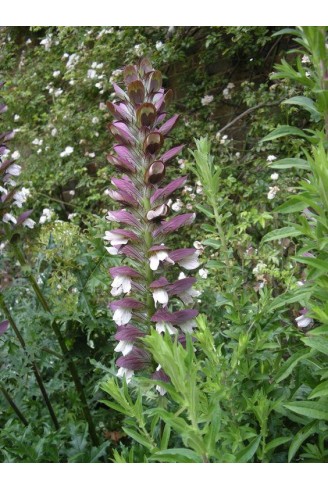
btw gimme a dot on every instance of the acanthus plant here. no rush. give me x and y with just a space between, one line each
143 227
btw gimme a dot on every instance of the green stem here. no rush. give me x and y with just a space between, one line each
66 354
218 222
34 366
13 405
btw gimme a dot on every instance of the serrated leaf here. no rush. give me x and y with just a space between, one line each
320 344
141 439
212 243
205 211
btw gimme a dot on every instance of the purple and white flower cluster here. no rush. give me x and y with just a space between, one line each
10 194
142 227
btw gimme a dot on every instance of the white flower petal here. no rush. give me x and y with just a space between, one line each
122 316
162 327
124 372
160 296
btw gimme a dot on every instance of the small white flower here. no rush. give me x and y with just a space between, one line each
303 321
274 176
157 257
71 216
272 192
29 223
237 155
54 132
306 60
177 205
160 296
28 41
271 158
125 373
21 196
37 142
122 316
72 193
199 189
207 99
95 120
58 92
7 217
15 155
138 49
68 150
182 275
72 82
162 327
121 284
124 346
46 216
203 273
159 45
115 238
91 74
14 169
198 245
56 73
16 117
187 327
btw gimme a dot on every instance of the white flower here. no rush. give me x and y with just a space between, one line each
259 268
72 60
39 151
187 327
198 245
95 120
91 74
237 155
181 163
37 142
159 45
274 176
72 82
160 296
199 189
47 42
125 373
306 60
7 217
56 73
162 327
28 41
71 216
115 238
157 257
68 150
207 99
14 169
138 49
272 192
122 316
224 139
203 273
271 158
15 155
16 117
58 92
303 321
182 275
177 205
71 193
46 216
21 196
102 106
188 295
29 223
190 262
121 284
54 132
124 346
226 93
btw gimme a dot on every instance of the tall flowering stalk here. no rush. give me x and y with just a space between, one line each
142 225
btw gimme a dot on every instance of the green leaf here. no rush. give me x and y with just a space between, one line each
300 437
320 390
176 455
284 131
313 410
205 211
319 264
165 437
289 365
212 243
307 104
293 205
286 232
138 437
279 441
320 344
248 452
291 163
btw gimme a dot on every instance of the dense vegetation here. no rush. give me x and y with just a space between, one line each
251 382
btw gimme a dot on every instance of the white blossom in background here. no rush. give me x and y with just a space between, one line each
16 117
46 42
29 223
305 59
54 132
274 176
46 216
138 49
271 158
68 150
71 216
177 205
91 73
21 196
159 45
37 142
7 217
273 192
95 120
203 273
58 92
207 99
15 155
56 73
